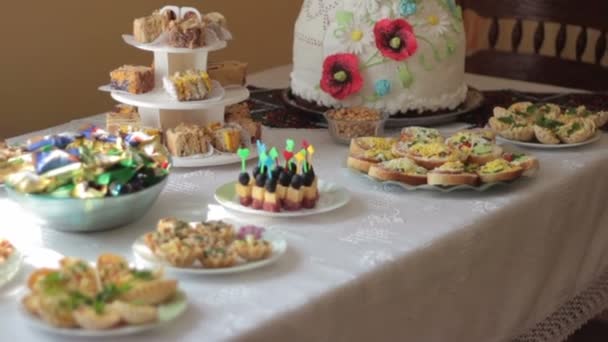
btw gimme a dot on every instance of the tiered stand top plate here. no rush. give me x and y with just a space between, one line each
162 47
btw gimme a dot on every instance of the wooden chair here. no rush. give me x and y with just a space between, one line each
560 42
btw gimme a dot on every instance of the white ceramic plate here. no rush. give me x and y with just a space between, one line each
596 138
163 47
216 159
332 197
159 98
167 313
10 268
144 256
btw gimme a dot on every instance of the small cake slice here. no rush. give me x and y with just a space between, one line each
229 73
187 140
148 29
191 85
133 79
124 119
240 114
188 33
227 139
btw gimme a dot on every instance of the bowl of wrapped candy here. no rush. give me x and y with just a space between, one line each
90 181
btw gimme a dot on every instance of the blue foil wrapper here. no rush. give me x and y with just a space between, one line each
94 133
137 138
60 141
48 161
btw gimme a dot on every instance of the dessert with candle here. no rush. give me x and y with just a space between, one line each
274 187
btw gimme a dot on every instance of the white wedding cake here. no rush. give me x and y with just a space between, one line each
392 55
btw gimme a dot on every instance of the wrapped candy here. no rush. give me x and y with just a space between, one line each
60 141
29 182
84 191
54 159
92 164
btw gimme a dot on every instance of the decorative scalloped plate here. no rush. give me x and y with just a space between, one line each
332 197
595 138
166 313
444 189
145 257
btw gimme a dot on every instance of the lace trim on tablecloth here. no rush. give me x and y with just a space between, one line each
571 316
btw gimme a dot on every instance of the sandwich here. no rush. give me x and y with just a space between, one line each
402 170
453 173
499 170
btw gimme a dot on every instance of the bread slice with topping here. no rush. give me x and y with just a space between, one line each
452 173
433 155
363 161
402 170
360 145
499 170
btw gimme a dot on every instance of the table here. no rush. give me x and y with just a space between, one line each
390 266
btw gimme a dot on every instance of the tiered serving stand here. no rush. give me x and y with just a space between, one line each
158 110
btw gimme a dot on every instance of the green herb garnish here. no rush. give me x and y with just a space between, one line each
548 123
575 128
507 119
571 111
532 109
143 275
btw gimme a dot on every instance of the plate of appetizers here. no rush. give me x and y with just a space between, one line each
423 159
331 197
208 248
10 261
277 189
109 298
547 126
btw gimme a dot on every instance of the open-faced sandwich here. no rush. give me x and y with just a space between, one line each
525 161
421 134
453 173
360 145
478 145
433 155
499 170
402 170
363 161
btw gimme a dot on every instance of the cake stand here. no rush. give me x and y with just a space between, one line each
158 110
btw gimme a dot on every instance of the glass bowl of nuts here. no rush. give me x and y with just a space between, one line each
346 124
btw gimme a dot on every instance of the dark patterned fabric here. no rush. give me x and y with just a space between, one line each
269 108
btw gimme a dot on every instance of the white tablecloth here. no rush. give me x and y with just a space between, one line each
391 266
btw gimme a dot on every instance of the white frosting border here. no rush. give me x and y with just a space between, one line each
403 102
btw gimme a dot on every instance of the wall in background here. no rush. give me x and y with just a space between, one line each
56 53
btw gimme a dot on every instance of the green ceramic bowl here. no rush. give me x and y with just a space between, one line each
89 215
